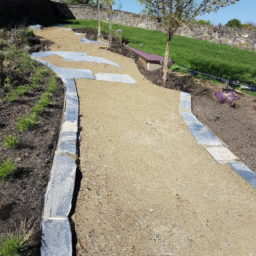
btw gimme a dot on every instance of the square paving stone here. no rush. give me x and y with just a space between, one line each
119 78
56 237
242 170
222 155
60 188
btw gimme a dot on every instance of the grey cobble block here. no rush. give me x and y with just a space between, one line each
119 78
71 116
87 41
185 102
56 237
242 170
70 85
67 146
71 100
59 192
202 135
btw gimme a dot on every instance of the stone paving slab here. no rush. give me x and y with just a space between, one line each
222 155
69 72
185 102
56 237
75 56
84 40
70 85
119 78
59 192
202 135
242 170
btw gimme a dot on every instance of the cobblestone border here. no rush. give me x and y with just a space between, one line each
56 232
212 144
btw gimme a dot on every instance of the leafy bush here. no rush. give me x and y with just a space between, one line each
235 23
11 245
248 26
202 22
29 32
11 141
6 168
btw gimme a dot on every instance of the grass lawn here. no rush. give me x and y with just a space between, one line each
215 59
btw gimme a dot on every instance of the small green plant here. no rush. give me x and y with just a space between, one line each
11 141
29 32
6 168
11 245
235 23
24 123
39 106
51 86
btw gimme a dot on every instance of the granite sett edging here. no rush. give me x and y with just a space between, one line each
56 231
213 145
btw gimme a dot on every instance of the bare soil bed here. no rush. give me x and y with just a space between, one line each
22 192
235 126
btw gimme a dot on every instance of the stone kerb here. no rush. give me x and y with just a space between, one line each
213 145
56 232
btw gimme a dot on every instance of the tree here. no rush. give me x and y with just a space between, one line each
173 13
235 23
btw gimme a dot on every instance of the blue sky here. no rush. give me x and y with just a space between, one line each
244 10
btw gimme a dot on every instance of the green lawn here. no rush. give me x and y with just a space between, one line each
219 60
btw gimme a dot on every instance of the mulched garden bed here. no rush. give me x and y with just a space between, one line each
235 126
22 192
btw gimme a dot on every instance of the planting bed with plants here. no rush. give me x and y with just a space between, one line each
31 107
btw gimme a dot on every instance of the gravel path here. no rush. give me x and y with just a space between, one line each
148 188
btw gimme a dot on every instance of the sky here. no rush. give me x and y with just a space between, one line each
244 10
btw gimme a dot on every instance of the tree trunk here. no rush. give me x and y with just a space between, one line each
166 56
110 30
99 35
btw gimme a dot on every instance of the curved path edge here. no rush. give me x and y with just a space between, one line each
211 143
56 231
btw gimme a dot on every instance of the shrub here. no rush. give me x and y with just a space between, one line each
235 23
248 26
11 141
11 245
6 168
29 32
202 22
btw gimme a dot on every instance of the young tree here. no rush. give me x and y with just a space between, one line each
173 13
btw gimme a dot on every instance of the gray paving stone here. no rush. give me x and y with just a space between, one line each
222 155
68 72
56 238
185 102
35 27
202 135
75 56
242 170
84 40
71 117
71 100
59 192
119 78
69 126
67 146
70 85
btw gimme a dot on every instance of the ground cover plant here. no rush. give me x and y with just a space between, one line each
219 60
31 106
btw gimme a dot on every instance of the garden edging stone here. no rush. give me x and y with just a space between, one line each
56 232
207 139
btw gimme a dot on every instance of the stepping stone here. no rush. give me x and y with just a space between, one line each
185 102
242 170
56 237
59 193
84 40
75 56
119 78
222 155
201 134
69 72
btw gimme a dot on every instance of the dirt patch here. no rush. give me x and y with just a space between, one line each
235 126
22 194
90 32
